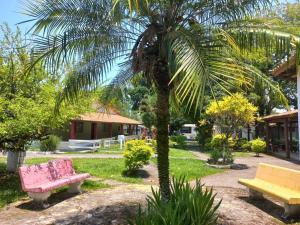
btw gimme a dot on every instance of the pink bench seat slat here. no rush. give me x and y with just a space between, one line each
48 176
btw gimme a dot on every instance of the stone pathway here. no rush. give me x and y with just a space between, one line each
106 206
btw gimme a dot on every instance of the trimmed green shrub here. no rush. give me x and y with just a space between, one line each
258 146
187 205
214 156
50 144
137 154
180 141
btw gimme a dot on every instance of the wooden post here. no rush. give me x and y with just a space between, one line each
286 138
121 129
298 103
129 129
72 133
267 136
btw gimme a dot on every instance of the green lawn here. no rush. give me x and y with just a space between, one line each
191 169
188 166
181 153
10 186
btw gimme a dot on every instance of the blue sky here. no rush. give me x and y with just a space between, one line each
10 12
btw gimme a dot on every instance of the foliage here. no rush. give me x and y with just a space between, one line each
187 205
218 156
231 113
181 47
180 140
50 143
258 146
137 154
27 99
220 141
244 145
204 132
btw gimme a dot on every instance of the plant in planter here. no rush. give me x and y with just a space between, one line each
258 146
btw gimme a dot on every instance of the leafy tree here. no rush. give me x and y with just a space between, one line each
231 113
181 47
27 100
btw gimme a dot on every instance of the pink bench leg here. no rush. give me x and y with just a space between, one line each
75 187
39 197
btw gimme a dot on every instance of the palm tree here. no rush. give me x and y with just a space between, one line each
181 46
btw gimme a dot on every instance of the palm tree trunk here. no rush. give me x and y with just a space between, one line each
162 116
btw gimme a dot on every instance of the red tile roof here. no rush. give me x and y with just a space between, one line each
107 118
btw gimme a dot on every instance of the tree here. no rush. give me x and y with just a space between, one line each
232 113
27 100
181 47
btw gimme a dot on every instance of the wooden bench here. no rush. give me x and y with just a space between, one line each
278 182
39 180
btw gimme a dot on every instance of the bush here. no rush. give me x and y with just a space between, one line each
217 141
49 144
187 205
258 146
137 154
223 157
180 140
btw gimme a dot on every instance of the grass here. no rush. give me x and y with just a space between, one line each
181 153
10 185
188 166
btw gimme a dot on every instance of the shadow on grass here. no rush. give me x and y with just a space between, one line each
140 173
10 186
271 208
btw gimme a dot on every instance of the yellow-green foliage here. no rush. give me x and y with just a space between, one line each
258 146
137 154
232 112
219 140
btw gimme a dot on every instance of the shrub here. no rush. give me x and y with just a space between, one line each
215 155
137 154
218 156
218 141
187 205
49 144
180 140
258 146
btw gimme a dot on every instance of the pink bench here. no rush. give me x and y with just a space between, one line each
39 180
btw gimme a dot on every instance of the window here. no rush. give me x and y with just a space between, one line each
186 130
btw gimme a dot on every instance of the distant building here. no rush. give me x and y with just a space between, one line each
98 125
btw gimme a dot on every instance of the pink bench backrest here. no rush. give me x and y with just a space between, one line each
45 172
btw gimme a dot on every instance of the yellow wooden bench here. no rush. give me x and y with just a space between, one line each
280 183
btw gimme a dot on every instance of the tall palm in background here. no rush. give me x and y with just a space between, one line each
181 46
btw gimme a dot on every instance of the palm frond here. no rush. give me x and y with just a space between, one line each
212 61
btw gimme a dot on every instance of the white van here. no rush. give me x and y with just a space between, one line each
189 130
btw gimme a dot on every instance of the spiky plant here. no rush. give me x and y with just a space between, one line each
180 46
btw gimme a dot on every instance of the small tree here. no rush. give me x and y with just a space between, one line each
27 100
231 114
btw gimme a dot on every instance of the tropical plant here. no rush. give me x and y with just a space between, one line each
181 47
187 205
258 146
136 154
180 141
50 143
